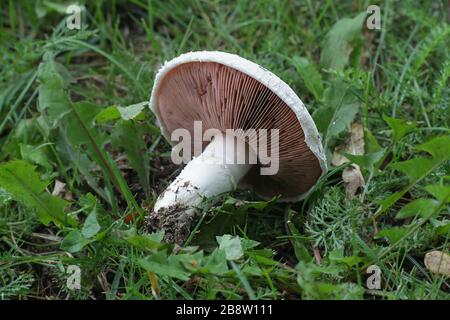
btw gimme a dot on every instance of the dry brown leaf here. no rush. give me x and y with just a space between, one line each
438 262
59 188
352 175
353 180
353 145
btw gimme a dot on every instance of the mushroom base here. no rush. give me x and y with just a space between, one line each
177 223
217 170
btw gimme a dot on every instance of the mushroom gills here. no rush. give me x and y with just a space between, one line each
217 170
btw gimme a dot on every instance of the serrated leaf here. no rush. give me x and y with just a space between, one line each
438 147
415 168
400 127
440 192
310 75
421 206
418 168
20 179
390 200
340 40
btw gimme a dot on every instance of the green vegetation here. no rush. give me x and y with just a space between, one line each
81 159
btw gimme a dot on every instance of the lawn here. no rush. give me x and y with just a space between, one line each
82 159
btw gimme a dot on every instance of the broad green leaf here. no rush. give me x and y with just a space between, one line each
338 256
231 245
80 127
20 179
191 261
371 143
77 121
146 241
53 100
366 161
91 226
340 42
81 163
415 168
129 136
108 114
440 192
338 110
252 270
163 265
215 263
418 168
248 244
444 229
423 207
310 75
389 201
393 234
263 257
126 113
298 243
74 242
132 111
35 154
438 147
400 127
233 212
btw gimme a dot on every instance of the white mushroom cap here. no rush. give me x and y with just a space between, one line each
191 72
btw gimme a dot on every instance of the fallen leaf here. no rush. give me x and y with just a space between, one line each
438 262
353 145
353 180
59 188
352 176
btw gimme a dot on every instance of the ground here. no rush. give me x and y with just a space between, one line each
82 161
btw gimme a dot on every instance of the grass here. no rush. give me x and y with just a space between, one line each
61 95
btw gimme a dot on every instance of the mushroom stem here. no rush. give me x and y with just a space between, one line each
217 170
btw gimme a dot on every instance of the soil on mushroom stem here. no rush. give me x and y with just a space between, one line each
176 221
176 225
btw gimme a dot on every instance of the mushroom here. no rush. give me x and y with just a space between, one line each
225 91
